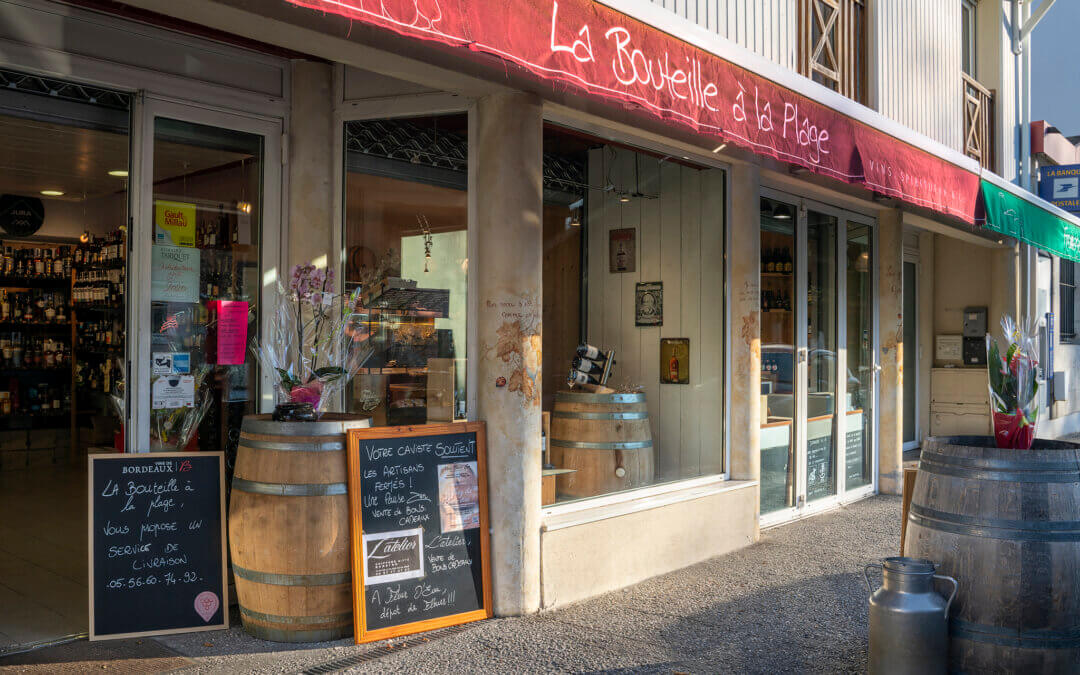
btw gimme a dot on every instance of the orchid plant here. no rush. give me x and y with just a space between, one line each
1014 386
315 340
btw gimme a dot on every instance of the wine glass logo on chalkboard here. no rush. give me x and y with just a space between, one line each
21 216
206 603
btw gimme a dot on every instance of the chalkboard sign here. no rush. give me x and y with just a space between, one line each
820 476
418 502
157 544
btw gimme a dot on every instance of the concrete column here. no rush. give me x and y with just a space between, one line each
507 199
890 270
310 165
744 408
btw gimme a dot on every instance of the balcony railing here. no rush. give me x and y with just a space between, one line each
978 122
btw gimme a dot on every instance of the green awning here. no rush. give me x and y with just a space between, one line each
1016 217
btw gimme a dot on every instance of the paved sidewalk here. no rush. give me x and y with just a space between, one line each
795 602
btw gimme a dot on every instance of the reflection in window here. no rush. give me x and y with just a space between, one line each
406 249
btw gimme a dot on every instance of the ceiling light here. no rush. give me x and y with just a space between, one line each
243 207
624 198
85 237
119 173
720 147
781 213
53 193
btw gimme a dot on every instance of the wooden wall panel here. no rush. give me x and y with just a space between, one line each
680 243
766 27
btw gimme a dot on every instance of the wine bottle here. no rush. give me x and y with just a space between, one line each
588 366
587 351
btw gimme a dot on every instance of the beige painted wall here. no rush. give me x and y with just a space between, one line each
891 341
679 242
581 561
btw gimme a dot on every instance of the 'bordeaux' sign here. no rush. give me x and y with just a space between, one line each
588 45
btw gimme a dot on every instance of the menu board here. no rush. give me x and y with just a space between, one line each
418 502
854 458
819 465
157 544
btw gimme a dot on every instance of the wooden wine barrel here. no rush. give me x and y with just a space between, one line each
605 439
1006 525
289 528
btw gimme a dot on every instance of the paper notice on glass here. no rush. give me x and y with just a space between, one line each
174 274
393 556
173 391
174 223
230 327
459 497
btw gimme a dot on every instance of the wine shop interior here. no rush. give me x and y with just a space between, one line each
65 306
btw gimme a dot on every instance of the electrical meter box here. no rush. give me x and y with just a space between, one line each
974 322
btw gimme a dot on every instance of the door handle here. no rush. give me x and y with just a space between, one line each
802 355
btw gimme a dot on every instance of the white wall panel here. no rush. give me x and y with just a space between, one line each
918 66
766 27
679 242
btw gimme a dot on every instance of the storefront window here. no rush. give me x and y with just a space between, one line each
204 284
406 250
860 356
638 238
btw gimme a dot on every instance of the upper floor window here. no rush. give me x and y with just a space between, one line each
967 27
832 45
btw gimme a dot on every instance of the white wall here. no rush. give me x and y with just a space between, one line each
679 242
918 66
766 27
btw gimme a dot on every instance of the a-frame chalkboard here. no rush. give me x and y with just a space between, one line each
419 528
157 544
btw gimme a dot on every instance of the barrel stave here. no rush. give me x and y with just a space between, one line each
1005 524
289 529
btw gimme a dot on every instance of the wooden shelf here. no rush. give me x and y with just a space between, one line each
35 282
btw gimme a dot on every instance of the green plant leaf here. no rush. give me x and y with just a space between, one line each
326 371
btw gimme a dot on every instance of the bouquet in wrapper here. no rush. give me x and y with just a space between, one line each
1014 387
315 341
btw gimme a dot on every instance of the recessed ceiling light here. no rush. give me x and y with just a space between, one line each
720 147
52 193
119 173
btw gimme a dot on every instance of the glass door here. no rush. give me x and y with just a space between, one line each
818 375
206 256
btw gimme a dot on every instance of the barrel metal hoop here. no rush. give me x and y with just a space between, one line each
292 579
289 489
330 425
329 446
931 466
990 464
947 522
1035 639
601 415
1068 526
626 445
295 620
570 397
281 635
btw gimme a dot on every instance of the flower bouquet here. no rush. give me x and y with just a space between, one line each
1014 386
315 343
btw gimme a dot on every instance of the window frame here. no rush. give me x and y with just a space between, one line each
1066 283
844 42
969 49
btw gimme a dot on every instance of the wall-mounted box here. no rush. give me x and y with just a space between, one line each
974 322
949 348
1060 389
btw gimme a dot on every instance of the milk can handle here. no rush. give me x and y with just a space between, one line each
955 587
866 574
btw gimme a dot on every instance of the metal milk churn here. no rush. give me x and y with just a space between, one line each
909 620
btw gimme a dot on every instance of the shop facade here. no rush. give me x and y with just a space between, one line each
499 207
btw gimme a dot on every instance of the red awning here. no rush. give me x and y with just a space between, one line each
612 56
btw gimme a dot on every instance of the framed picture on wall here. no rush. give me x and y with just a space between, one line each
622 255
675 360
649 303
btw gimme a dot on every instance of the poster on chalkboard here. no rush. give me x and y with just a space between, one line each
419 528
157 544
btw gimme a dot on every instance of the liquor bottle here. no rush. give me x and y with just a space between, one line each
770 261
578 377
588 366
788 265
587 351
673 367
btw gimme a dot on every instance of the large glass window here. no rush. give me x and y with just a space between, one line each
639 238
406 250
204 283
860 355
